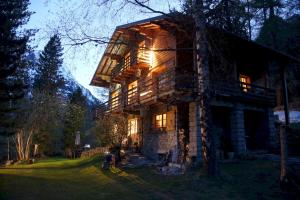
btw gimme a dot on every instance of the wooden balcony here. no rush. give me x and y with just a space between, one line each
137 59
149 91
242 91
172 86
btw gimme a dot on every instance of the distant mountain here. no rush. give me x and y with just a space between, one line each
71 85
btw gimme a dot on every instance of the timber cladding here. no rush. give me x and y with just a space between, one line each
163 41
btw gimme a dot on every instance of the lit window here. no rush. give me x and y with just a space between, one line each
127 60
245 82
161 120
141 51
115 99
132 126
132 91
151 58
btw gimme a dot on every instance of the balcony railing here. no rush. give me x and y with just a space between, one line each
242 90
150 90
137 59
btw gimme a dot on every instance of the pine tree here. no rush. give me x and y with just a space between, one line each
267 8
49 77
13 47
78 98
74 119
47 84
229 15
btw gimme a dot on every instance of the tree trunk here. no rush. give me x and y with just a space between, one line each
23 144
202 70
283 135
283 155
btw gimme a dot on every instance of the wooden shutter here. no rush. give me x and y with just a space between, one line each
171 120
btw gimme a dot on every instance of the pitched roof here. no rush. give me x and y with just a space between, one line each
117 45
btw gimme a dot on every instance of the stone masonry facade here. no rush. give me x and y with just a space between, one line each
160 142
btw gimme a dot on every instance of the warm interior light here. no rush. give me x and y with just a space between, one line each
151 58
132 126
145 93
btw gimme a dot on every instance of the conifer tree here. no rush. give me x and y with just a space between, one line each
74 119
49 77
47 84
13 47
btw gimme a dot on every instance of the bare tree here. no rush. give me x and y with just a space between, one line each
38 112
110 130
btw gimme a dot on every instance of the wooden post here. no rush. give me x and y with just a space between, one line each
283 132
8 158
285 98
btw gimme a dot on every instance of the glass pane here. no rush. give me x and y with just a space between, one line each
164 120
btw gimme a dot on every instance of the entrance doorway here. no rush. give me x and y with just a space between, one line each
256 130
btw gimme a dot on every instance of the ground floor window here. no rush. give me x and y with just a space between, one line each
132 126
161 121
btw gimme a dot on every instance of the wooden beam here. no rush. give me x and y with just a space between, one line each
114 56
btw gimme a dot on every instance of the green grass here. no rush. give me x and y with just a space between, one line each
296 126
60 178
56 162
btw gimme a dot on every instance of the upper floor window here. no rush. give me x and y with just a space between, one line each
115 87
142 50
245 82
132 91
115 99
161 120
127 60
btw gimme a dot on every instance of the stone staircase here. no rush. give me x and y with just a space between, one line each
135 160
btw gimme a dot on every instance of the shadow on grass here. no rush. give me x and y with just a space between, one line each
137 180
244 180
21 187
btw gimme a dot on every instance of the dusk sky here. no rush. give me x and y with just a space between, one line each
82 61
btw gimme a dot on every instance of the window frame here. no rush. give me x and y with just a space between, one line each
162 122
245 82
131 130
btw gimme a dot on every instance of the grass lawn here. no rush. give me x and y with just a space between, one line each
59 178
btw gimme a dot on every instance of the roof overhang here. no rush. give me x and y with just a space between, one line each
118 45
120 40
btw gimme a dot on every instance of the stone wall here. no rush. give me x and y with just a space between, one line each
238 129
162 141
156 141
273 140
93 152
195 131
